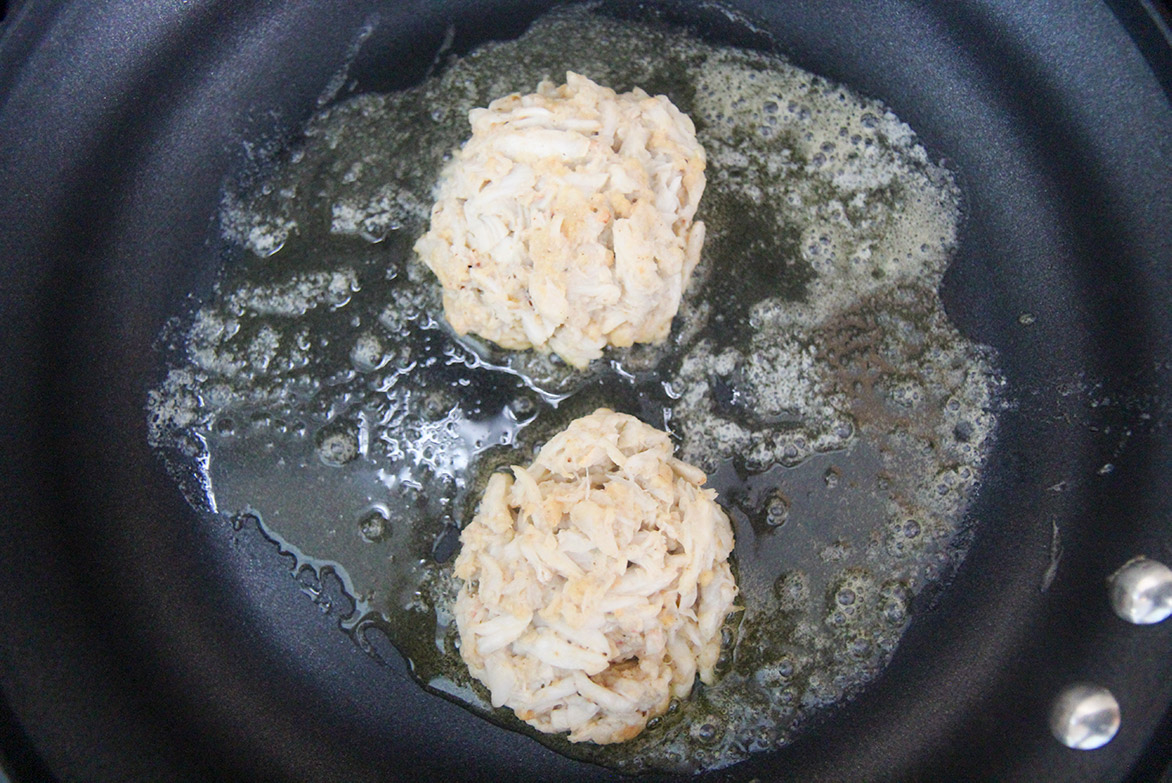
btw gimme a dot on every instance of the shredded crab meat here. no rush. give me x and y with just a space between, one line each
565 223
595 581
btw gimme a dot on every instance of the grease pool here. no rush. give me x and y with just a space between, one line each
811 371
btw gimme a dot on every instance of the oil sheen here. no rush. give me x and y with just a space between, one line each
812 372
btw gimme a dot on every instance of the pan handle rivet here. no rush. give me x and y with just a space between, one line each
1084 716
1141 591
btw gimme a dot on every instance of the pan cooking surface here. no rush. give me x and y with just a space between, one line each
183 650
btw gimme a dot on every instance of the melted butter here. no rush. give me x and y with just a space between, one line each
811 371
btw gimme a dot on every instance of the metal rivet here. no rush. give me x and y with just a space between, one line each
1084 716
1141 591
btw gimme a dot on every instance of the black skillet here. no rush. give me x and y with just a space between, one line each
137 643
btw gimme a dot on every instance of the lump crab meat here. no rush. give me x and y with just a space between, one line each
565 223
595 581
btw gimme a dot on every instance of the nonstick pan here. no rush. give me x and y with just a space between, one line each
138 642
